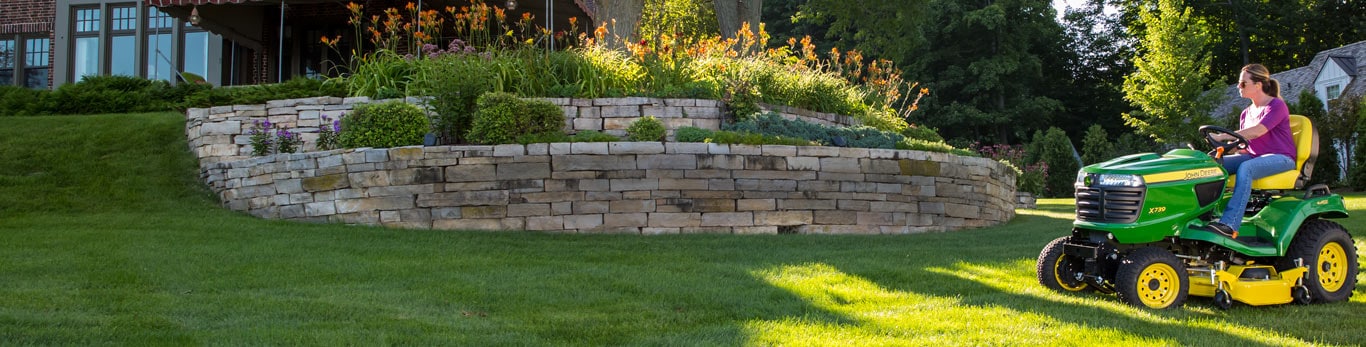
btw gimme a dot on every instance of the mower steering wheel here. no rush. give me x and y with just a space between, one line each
1230 147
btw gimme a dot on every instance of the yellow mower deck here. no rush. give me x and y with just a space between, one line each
1266 287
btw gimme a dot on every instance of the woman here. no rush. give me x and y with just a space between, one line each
1270 148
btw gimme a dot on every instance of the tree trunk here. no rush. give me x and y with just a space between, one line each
622 18
731 14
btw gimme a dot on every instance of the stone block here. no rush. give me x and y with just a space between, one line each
406 190
775 218
685 148
805 204
481 212
636 148
317 209
893 206
421 175
630 206
375 155
683 184
623 111
407 153
369 179
702 112
720 162
721 184
324 183
629 184
221 128
510 150
471 173
525 210
590 207
582 124
840 165
962 211
674 220
620 124
374 204
542 223
818 151
731 219
523 171
911 167
593 162
464 198
582 221
854 205
877 218
551 197
624 220
755 205
666 161
834 217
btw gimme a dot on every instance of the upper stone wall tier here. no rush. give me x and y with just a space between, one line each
629 187
221 133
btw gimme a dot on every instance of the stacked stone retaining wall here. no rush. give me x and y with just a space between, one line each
618 187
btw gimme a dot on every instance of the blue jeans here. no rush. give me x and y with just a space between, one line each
1248 169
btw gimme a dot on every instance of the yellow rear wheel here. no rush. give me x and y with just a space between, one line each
1330 254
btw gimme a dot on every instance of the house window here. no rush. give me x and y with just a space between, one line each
1333 92
86 56
196 51
123 54
37 53
8 55
159 40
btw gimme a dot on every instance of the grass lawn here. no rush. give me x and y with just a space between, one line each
107 237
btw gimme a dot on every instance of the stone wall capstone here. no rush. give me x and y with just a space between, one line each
617 187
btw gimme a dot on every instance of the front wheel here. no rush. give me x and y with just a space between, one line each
1152 277
1058 271
1331 256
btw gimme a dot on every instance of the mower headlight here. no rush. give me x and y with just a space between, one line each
1117 180
1081 179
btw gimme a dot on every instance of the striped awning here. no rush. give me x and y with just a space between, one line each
164 3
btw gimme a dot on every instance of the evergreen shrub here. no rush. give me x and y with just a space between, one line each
389 124
502 117
646 129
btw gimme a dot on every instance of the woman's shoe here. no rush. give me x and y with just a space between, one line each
1223 229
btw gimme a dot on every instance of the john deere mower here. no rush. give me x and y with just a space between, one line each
1141 232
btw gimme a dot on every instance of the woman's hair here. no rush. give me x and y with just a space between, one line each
1259 73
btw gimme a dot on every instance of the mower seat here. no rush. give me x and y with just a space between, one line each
1307 150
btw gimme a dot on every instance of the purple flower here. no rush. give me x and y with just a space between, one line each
336 125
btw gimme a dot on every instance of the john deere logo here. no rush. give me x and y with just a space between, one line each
1182 175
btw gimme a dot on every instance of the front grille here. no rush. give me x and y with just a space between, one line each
1109 204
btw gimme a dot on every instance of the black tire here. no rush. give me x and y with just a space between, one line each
1331 256
1222 299
1055 270
1152 277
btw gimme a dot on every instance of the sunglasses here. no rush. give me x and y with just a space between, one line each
1243 84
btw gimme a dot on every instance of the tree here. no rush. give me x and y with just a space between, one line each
1096 146
1357 174
685 18
881 29
984 61
1171 84
1054 149
1096 55
621 17
732 14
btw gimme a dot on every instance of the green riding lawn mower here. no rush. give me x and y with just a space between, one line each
1141 232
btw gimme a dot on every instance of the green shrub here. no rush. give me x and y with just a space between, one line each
692 134
921 132
1054 149
19 101
503 117
646 129
1096 146
559 136
857 136
297 87
111 94
455 83
941 147
593 136
389 124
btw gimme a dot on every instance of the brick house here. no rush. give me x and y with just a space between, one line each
47 43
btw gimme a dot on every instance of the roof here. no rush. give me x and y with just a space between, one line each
1350 57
